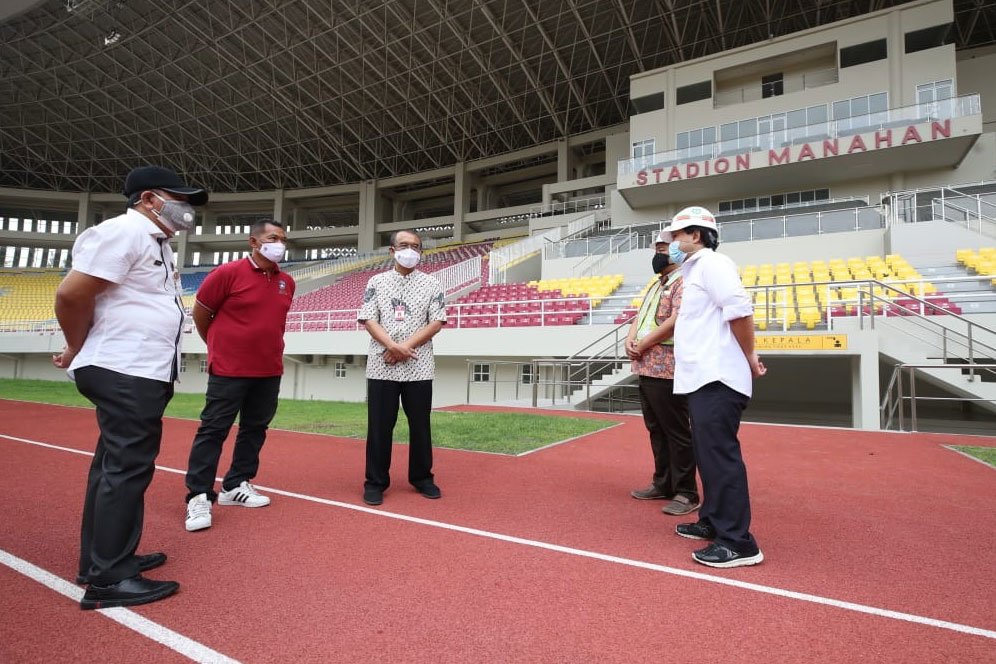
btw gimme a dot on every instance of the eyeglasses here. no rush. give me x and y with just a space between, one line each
408 245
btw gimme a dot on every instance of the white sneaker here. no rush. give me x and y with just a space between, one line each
198 513
245 495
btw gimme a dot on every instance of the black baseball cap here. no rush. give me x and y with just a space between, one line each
145 178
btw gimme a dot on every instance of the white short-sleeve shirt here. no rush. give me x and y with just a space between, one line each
138 319
705 350
402 305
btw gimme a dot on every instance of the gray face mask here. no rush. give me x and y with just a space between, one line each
176 215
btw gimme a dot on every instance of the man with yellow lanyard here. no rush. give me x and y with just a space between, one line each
650 345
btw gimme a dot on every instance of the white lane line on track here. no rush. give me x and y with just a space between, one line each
594 555
179 643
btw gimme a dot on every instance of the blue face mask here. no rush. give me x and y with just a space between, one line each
675 253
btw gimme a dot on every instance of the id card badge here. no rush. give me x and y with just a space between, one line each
399 312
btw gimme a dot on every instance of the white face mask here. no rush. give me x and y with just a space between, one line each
407 258
273 251
176 215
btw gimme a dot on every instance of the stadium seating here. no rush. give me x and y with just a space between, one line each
346 294
797 294
28 295
981 262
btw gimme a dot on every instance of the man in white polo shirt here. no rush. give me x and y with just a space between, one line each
715 363
120 312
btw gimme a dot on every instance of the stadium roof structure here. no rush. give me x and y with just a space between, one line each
245 95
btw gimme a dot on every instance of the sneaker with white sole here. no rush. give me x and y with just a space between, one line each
198 513
245 495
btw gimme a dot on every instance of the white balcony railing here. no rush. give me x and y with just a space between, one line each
956 107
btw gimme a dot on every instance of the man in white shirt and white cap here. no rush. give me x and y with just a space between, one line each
715 363
121 314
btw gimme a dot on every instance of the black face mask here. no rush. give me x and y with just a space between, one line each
661 261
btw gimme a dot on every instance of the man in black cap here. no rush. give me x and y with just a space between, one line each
121 314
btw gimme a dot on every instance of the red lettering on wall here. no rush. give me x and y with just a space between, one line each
911 135
775 158
857 145
641 177
883 139
939 129
805 153
691 170
675 174
722 165
830 147
657 174
743 162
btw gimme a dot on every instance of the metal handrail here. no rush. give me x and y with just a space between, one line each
971 337
890 407
978 199
968 214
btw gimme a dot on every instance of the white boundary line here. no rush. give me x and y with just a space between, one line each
594 555
126 617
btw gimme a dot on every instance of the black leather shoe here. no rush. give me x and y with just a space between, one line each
145 563
373 496
429 490
129 592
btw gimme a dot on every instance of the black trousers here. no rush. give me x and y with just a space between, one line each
254 400
130 417
666 416
716 410
382 415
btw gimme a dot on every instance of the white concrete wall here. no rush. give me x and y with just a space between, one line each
975 76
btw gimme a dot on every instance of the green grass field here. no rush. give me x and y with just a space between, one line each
987 454
504 433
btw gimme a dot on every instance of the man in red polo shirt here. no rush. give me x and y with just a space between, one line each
240 312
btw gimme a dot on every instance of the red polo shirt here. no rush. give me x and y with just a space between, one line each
246 336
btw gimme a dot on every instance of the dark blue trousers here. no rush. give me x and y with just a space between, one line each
715 410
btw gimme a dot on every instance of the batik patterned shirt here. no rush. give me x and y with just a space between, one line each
402 305
658 360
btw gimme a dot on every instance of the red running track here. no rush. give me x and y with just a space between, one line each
889 522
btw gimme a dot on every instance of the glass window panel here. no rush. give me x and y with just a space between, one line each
859 106
709 135
797 118
878 103
748 127
816 114
792 199
764 202
729 132
750 203
737 206
822 194
808 196
724 206
778 200
683 140
841 109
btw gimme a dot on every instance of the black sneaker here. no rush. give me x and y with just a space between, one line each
372 496
699 530
718 555
429 490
